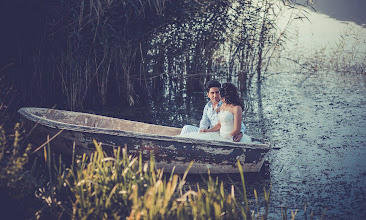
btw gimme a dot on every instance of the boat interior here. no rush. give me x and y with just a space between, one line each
103 122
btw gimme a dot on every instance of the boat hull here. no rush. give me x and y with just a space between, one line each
170 152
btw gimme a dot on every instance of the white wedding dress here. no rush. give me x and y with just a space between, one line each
226 119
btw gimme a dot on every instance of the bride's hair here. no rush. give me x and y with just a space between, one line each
231 95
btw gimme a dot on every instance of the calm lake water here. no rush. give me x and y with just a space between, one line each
317 126
316 123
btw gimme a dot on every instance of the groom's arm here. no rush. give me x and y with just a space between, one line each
240 135
205 121
213 129
242 130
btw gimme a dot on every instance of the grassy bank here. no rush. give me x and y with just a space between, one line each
118 187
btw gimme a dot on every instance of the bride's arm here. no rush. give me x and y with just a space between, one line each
214 128
237 120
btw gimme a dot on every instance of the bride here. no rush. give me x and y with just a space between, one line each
230 117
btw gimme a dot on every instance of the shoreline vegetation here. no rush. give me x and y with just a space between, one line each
82 54
118 187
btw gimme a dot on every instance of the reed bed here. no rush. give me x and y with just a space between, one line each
104 53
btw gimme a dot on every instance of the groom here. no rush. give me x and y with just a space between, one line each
209 117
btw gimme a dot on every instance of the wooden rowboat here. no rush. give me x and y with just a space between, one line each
169 150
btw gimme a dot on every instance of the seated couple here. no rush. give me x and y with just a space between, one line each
222 116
